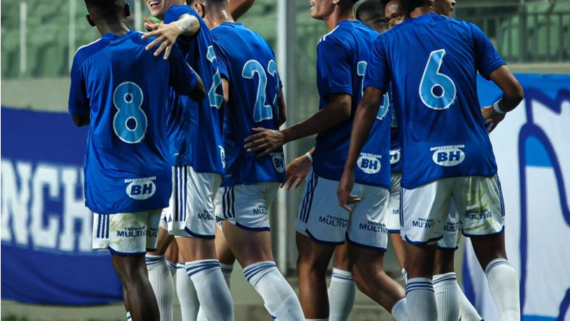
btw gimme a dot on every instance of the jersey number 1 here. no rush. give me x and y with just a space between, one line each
130 122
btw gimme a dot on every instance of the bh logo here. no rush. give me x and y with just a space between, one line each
448 156
278 162
141 189
369 163
222 155
395 155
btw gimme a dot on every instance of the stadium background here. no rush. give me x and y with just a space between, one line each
40 37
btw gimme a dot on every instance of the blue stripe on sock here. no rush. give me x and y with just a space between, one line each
191 270
251 272
342 277
447 278
495 264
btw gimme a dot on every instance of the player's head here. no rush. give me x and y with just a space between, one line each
158 8
321 9
371 14
209 7
443 7
393 12
102 11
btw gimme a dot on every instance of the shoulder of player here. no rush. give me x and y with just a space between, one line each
337 36
86 51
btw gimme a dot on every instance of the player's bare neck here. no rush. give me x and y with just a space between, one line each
339 14
119 28
215 19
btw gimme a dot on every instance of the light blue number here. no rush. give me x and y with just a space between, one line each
432 79
130 122
384 107
216 99
272 70
261 111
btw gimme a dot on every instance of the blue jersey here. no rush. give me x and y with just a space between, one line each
395 144
121 87
196 133
432 62
248 63
343 56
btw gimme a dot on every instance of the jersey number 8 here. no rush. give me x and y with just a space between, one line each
261 110
437 90
130 122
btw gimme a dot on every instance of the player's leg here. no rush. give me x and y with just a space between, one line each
483 221
393 220
424 211
225 255
342 289
243 212
367 242
197 242
128 255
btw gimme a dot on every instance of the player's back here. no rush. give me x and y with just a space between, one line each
433 62
122 86
196 134
343 56
248 62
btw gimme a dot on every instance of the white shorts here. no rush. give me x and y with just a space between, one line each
450 240
478 201
393 210
246 206
321 218
190 212
126 233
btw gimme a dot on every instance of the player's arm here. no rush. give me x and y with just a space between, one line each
238 8
282 109
364 119
166 34
298 170
513 94
78 105
264 141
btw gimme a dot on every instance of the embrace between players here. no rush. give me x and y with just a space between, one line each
191 143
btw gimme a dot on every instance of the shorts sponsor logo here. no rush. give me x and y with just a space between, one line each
478 215
132 232
395 156
141 188
278 162
333 221
423 223
205 216
451 227
261 210
373 227
448 156
369 163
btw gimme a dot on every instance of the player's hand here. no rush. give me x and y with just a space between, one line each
149 25
264 141
166 36
297 171
491 118
344 191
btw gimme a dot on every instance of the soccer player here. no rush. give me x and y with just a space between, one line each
252 87
114 90
432 63
342 59
198 160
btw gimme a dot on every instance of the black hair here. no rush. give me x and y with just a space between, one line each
370 7
410 5
105 5
384 3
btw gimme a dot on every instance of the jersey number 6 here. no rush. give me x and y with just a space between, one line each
437 90
130 122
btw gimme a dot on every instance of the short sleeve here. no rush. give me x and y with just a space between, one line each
175 12
222 61
378 74
183 78
334 68
487 58
78 101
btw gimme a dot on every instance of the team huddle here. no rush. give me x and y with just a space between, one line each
185 156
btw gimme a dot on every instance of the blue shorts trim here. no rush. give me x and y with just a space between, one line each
323 242
253 229
200 236
502 231
423 243
377 248
126 254
451 249
393 231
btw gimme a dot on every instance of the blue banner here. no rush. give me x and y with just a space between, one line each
46 228
532 147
